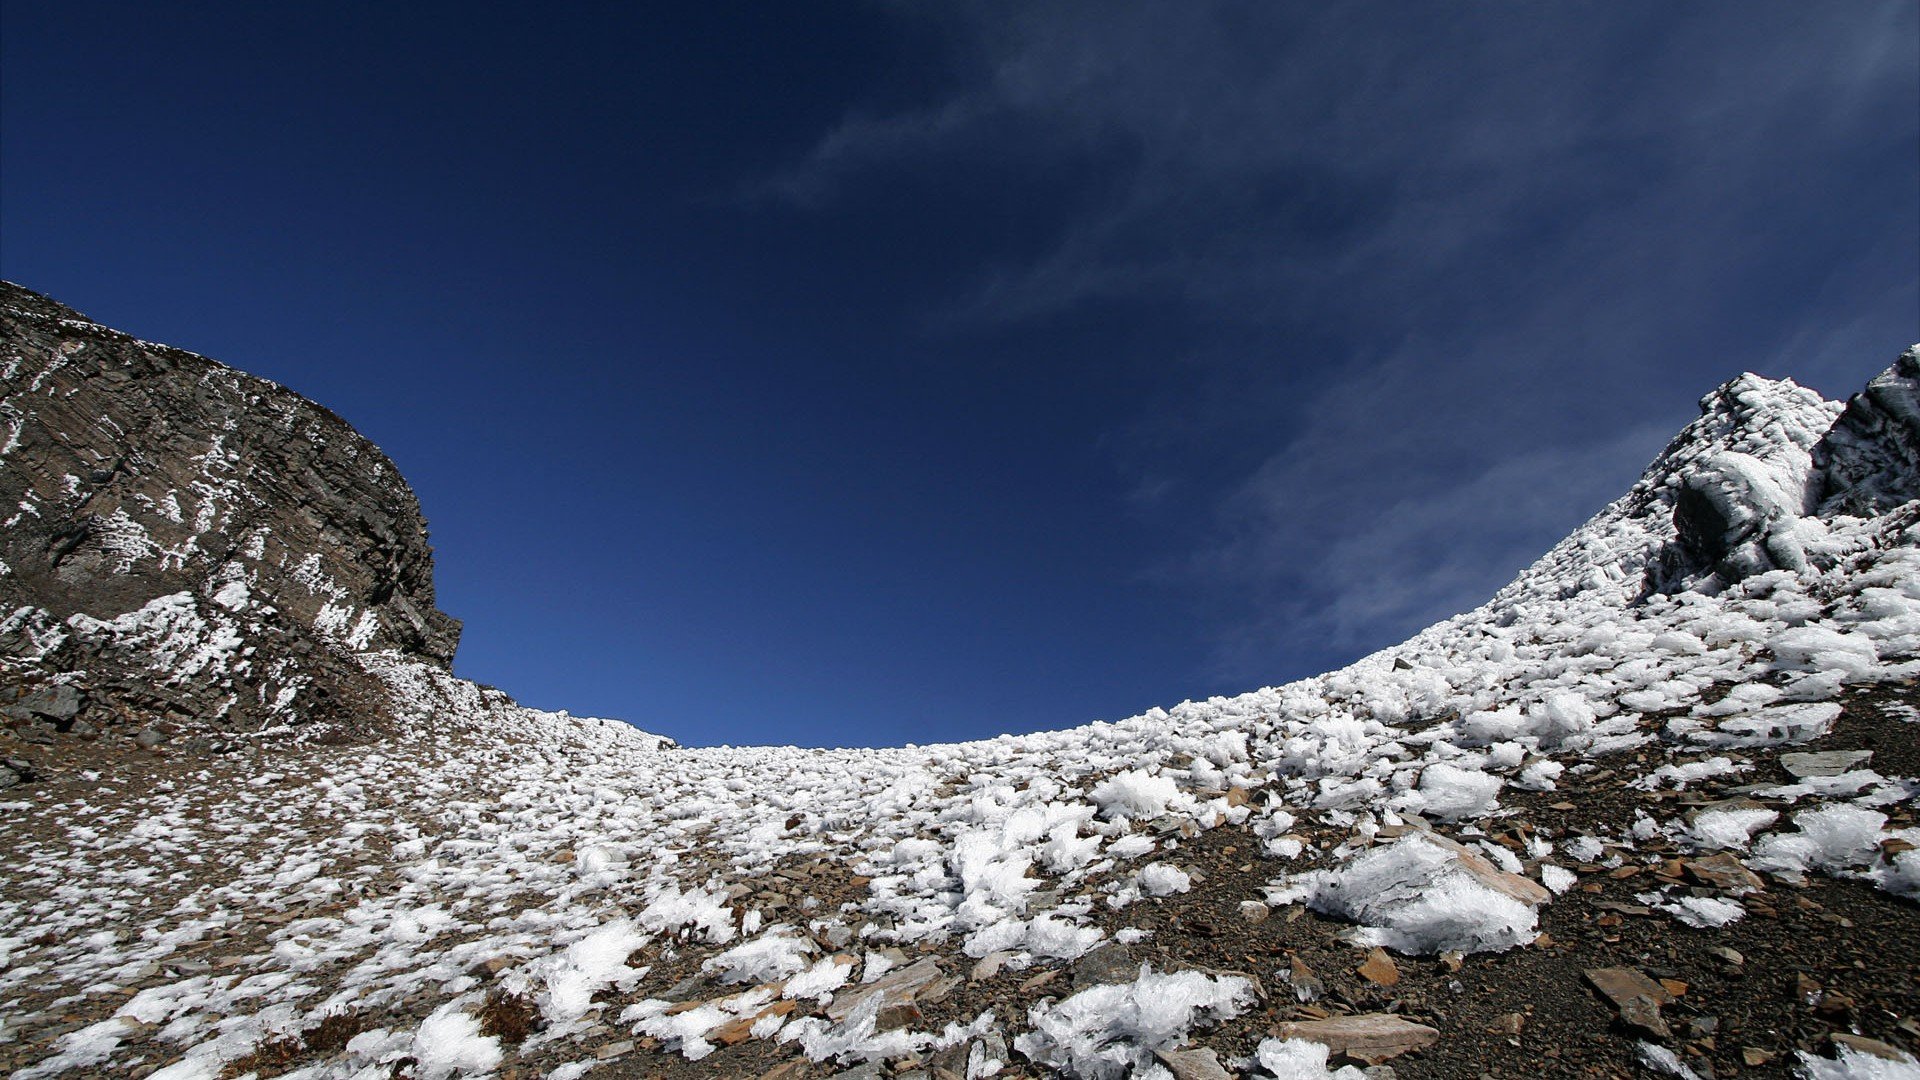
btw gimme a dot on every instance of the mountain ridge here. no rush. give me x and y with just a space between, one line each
1652 808
172 515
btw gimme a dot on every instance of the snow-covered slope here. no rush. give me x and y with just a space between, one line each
1617 727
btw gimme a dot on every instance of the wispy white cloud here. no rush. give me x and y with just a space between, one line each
1524 228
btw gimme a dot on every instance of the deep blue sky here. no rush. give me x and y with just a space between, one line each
842 373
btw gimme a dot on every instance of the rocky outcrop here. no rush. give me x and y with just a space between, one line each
1754 484
1870 460
186 541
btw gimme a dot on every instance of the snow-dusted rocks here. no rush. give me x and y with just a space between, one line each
1870 459
1597 750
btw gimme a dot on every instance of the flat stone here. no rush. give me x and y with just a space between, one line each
685 989
1200 1063
1369 1039
738 1031
951 1061
1865 1045
1637 997
990 965
1525 890
1307 985
55 702
1823 763
897 987
1111 963
1379 969
1725 871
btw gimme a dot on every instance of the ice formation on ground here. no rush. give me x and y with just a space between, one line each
1713 613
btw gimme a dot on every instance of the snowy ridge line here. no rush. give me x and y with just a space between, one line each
825 904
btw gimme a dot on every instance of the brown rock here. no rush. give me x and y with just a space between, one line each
1638 998
1306 985
898 987
1199 1063
1040 980
1522 889
1371 1038
1379 969
1725 871
990 965
1869 1046
738 1031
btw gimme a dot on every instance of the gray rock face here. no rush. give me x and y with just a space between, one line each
1870 461
1752 483
200 542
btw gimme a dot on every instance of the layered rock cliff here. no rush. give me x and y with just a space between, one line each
189 545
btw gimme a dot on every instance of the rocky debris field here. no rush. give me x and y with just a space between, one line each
337 911
1651 810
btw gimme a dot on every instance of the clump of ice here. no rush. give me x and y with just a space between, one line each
450 1042
774 955
819 981
1854 1064
1680 775
574 974
1820 650
1300 1059
1108 1032
1703 912
698 913
1717 829
1560 717
1901 875
857 1037
1134 794
1042 935
1448 792
1164 879
1772 726
1584 848
1557 879
1416 897
1664 1061
686 1030
1831 838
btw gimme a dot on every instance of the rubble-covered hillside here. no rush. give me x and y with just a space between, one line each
1649 811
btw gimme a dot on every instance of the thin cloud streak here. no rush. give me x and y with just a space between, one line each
1530 231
